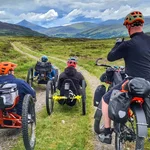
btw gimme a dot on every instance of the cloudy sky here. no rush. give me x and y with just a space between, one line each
49 13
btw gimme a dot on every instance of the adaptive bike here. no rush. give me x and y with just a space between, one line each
131 133
43 69
9 98
68 95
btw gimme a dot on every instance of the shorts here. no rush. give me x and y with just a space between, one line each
107 95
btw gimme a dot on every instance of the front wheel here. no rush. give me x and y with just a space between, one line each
49 97
30 77
97 119
83 98
28 122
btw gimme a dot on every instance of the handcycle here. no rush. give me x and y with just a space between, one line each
9 118
68 94
135 128
43 69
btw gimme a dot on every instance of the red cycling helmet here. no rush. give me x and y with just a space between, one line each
5 67
72 62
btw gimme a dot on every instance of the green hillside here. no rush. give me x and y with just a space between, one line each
7 29
69 30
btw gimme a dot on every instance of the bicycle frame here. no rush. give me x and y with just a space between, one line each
5 115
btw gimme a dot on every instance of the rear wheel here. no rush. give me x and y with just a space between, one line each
30 77
49 97
128 135
28 122
83 98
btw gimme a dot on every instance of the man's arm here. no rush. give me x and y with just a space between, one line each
120 50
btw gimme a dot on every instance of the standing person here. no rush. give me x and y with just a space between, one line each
70 72
136 54
7 76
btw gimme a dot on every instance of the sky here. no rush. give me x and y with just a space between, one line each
50 13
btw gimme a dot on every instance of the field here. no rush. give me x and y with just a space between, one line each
52 134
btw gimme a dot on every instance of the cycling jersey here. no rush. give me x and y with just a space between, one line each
136 54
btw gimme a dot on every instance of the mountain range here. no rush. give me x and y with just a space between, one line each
16 30
106 29
102 30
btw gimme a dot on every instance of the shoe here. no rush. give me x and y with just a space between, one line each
105 137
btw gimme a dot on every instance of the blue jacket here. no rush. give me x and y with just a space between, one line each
22 86
23 89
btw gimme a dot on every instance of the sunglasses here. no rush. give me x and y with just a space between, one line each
72 62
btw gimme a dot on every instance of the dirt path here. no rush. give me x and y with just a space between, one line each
93 82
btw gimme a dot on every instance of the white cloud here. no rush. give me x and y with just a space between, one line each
65 11
50 15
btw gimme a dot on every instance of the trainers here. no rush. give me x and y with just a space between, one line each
105 137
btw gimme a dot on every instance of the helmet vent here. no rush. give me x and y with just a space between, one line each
134 16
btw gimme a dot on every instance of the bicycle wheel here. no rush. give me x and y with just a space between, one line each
83 98
28 122
97 119
30 77
131 135
49 97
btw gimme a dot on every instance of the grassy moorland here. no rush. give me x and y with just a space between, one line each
52 132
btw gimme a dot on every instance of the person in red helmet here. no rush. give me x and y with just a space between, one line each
70 72
136 55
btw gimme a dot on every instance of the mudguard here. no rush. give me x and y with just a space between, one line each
141 120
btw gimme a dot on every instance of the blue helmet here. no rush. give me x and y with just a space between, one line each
44 58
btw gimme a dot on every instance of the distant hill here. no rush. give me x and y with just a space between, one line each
32 26
105 29
16 30
110 29
69 30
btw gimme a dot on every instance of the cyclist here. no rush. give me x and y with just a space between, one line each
70 72
136 54
7 76
44 59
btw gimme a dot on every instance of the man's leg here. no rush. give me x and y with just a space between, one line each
105 135
107 121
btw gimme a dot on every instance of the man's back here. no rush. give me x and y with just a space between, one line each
22 86
136 53
71 73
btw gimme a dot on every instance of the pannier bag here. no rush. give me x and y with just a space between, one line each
43 66
139 87
118 106
8 94
99 92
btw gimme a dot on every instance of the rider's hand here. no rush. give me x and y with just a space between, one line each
119 40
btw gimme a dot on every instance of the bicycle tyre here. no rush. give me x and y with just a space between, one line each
28 107
83 98
30 77
49 97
